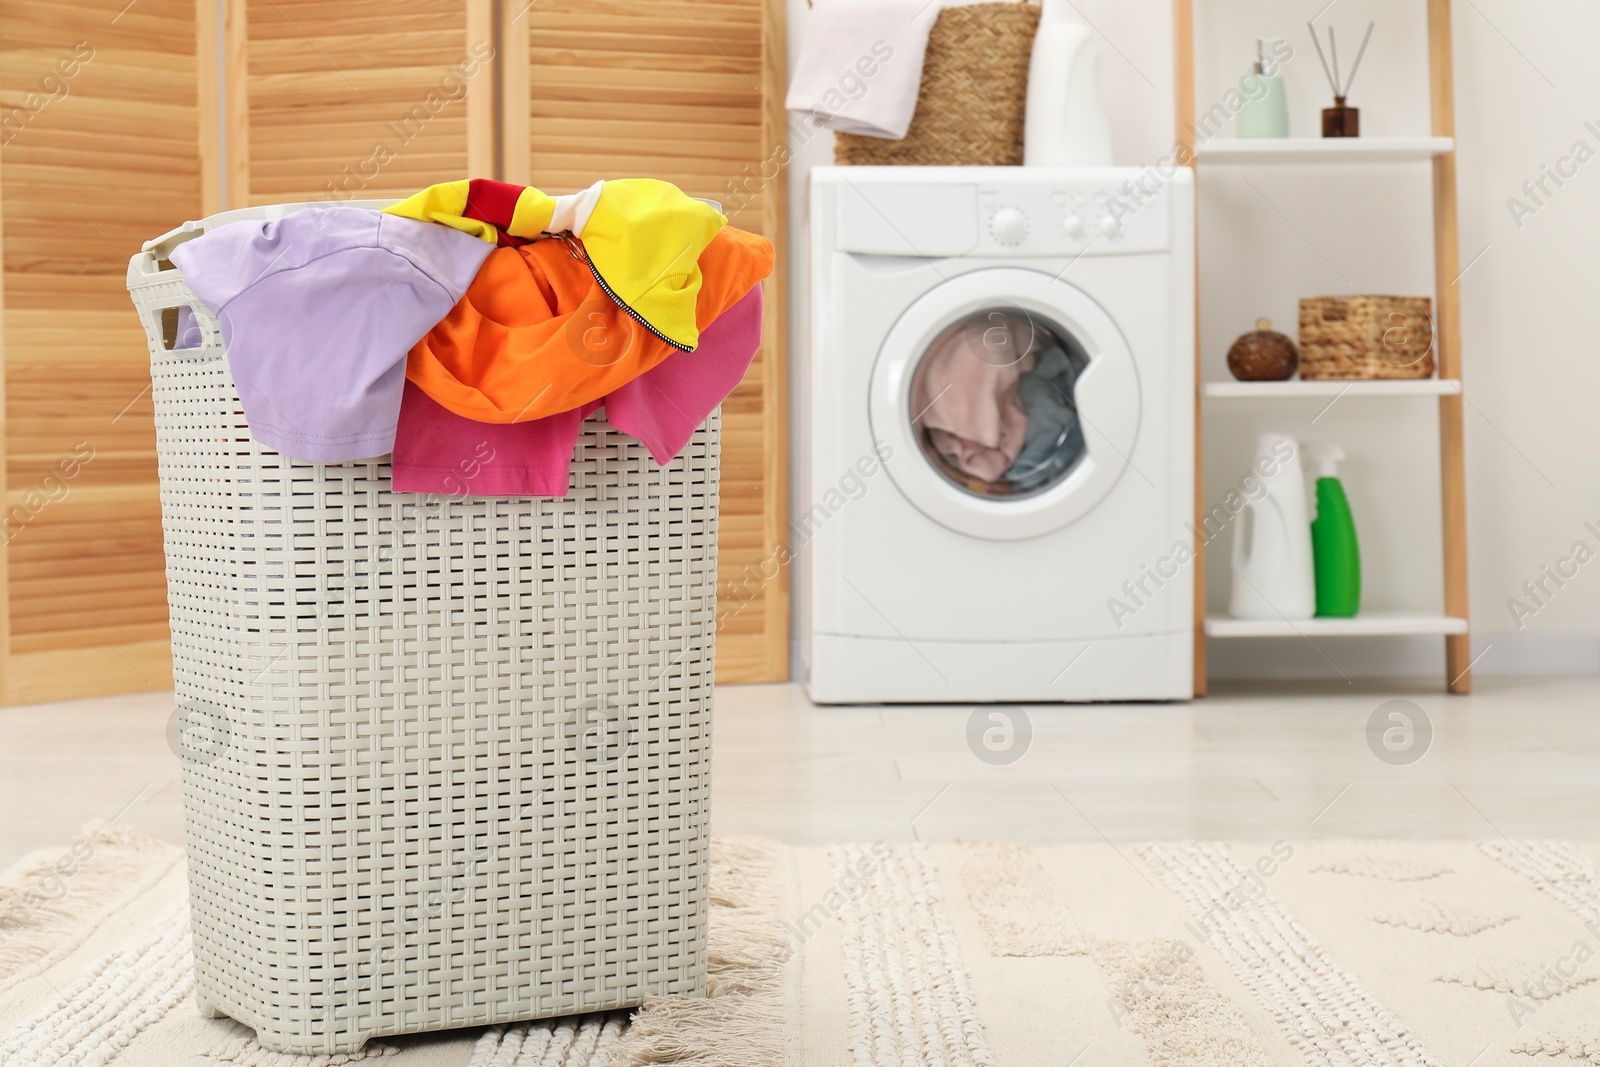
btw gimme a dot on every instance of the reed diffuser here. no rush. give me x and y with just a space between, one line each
1340 120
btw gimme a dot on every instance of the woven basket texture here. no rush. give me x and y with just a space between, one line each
1366 337
973 96
445 759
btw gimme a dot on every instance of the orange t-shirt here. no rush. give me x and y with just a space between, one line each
536 335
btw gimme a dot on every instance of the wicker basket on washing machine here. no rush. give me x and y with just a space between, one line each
445 760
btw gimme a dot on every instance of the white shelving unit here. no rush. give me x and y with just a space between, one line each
1294 389
1437 152
1320 151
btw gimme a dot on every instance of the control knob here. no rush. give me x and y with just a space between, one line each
1009 226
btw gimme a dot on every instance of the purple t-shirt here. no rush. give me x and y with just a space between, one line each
318 310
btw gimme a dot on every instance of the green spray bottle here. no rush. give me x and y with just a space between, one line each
1336 557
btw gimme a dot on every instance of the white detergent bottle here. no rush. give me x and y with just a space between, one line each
1065 124
1272 571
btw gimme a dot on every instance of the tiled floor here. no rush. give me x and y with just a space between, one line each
1520 757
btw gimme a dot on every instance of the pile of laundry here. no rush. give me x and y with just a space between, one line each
480 319
994 397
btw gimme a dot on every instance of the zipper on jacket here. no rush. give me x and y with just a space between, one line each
577 251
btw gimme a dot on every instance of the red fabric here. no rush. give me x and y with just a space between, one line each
494 202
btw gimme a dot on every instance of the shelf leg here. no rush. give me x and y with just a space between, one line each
1447 342
1183 63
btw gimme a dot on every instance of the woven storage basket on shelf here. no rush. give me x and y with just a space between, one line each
445 760
1363 337
973 95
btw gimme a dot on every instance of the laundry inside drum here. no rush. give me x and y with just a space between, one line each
993 403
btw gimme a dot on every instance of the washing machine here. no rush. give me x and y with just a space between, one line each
996 436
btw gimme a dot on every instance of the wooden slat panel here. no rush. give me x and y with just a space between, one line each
131 664
327 84
672 91
683 92
112 159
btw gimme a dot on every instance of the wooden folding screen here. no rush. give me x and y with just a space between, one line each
99 103
122 120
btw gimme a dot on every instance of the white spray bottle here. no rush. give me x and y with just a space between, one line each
1065 124
1272 571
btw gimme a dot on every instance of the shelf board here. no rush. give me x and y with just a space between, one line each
1374 624
1275 150
1297 388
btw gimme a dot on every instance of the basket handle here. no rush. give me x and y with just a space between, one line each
210 346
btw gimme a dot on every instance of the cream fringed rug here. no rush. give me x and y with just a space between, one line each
1217 955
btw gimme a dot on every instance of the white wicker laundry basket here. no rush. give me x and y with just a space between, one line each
445 760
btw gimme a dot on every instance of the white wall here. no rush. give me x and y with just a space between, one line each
1524 90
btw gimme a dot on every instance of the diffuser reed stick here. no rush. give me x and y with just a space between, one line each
1332 72
1360 52
1333 53
1316 40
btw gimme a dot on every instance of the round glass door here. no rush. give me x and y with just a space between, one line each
1010 403
993 403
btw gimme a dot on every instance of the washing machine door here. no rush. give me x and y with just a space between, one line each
1009 402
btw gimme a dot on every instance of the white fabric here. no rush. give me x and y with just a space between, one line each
861 64
571 213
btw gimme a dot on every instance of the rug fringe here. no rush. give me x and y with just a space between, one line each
740 1022
44 902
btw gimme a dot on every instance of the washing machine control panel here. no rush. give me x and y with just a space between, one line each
1003 212
1052 220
